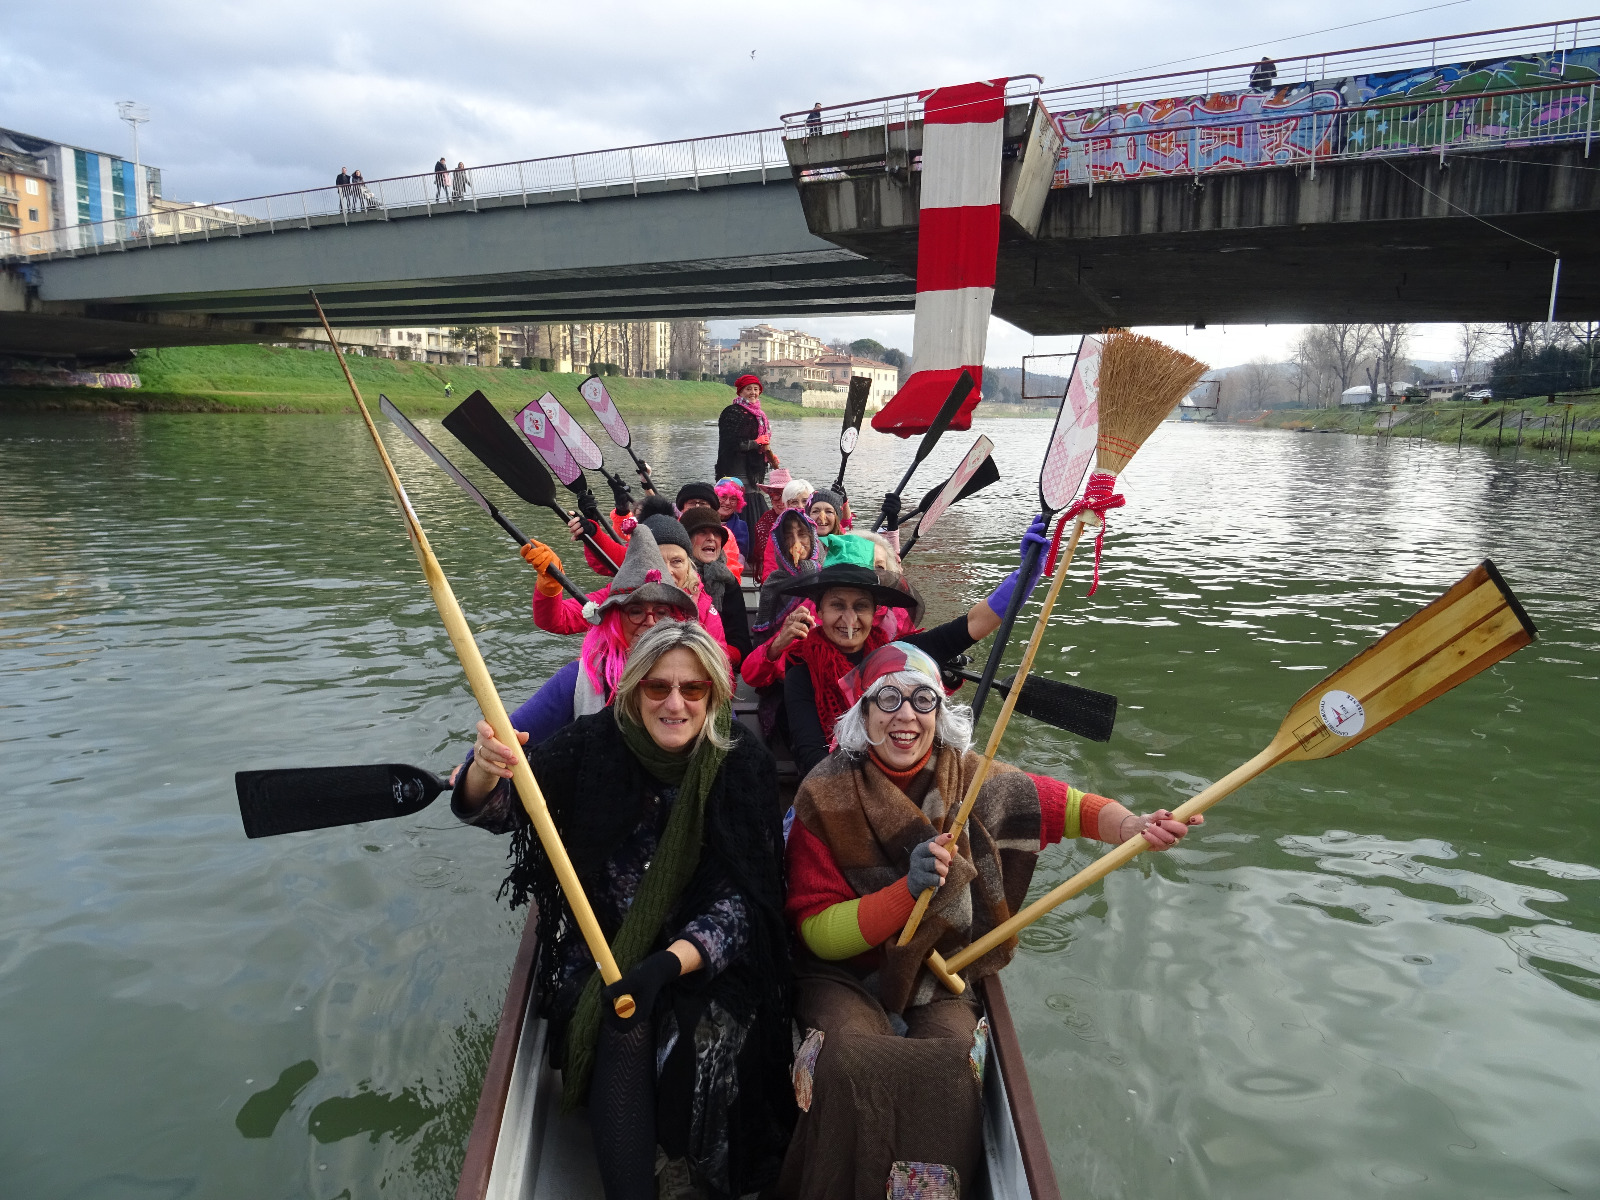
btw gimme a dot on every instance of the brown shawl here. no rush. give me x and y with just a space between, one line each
870 826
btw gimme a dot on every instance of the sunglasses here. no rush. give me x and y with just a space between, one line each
889 699
638 614
693 690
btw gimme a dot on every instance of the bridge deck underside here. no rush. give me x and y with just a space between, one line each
1379 240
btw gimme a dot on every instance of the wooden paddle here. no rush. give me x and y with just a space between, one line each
483 689
855 408
952 405
387 407
1471 627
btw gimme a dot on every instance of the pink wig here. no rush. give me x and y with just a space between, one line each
605 653
729 489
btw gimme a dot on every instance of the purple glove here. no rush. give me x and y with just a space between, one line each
1038 535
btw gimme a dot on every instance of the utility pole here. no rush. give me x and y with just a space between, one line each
135 115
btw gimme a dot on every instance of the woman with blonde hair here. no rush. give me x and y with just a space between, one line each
672 820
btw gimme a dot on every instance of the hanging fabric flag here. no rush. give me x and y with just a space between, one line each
958 240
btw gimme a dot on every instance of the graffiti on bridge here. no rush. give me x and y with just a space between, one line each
1454 105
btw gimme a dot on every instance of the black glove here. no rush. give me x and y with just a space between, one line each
589 509
644 983
621 497
748 444
891 510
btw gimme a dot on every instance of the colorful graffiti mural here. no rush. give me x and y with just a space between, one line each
1512 101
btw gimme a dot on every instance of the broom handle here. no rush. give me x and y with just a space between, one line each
947 969
483 690
1000 724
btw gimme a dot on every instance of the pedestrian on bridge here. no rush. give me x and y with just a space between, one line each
814 119
1262 75
360 198
441 179
341 181
462 183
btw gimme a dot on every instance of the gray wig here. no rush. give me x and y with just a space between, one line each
952 726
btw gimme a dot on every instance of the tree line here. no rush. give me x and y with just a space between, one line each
1513 360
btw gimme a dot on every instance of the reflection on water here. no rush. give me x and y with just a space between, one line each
1372 973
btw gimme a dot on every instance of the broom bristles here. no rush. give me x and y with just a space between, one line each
1140 381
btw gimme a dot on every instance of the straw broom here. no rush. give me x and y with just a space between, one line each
1141 380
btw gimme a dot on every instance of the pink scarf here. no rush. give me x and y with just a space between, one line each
764 428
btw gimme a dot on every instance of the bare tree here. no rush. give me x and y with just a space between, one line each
1473 349
1391 347
1346 347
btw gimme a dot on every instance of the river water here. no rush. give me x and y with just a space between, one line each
1377 974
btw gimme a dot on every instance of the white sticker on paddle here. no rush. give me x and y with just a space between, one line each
847 439
1342 713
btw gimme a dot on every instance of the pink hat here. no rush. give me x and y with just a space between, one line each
777 479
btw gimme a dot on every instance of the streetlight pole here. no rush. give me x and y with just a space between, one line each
135 114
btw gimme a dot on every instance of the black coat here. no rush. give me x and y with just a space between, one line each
597 792
737 452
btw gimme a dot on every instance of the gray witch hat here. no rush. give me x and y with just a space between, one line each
643 576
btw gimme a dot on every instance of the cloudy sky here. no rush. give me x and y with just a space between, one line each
247 99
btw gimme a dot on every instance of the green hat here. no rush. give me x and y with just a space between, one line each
847 548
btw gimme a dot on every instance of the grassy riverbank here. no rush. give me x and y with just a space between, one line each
251 378
1540 425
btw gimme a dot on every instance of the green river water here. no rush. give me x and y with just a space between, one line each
1377 974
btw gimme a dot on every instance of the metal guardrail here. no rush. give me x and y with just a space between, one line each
884 111
1438 125
691 162
1546 38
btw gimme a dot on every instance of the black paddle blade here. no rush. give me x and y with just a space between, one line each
952 405
1089 714
478 426
293 799
981 478
1070 708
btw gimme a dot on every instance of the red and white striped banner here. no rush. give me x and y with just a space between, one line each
958 241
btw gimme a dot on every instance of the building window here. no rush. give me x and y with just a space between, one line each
33 213
31 186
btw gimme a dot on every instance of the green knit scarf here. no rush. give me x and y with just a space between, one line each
676 857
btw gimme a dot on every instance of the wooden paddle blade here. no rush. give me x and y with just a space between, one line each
1471 627
478 426
299 798
1083 711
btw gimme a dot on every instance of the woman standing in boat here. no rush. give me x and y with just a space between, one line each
744 442
810 652
672 822
889 1074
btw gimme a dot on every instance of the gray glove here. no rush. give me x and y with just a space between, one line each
924 872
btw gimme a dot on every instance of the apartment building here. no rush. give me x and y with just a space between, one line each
765 344
25 198
885 378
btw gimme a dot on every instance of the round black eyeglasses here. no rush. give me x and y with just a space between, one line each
889 699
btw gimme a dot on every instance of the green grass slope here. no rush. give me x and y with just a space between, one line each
251 378
1541 425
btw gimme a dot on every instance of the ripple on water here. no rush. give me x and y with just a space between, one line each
1280 1008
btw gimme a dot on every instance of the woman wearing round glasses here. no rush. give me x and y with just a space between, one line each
867 840
672 822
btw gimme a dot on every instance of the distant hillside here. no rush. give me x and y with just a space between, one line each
1003 385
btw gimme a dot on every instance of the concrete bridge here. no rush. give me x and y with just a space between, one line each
1422 206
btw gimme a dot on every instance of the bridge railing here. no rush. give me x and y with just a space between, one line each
883 112
1550 38
689 162
1436 125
